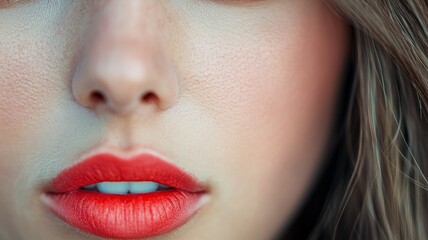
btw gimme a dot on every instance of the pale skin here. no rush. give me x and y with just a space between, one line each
241 94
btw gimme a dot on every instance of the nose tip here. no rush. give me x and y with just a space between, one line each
121 104
123 84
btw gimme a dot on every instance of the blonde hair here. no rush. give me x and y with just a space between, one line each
382 191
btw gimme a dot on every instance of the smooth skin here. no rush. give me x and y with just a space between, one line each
241 94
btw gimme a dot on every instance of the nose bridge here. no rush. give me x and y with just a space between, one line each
131 19
123 62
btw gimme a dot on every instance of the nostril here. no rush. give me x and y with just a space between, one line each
97 97
149 97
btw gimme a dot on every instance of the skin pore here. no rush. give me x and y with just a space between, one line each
242 95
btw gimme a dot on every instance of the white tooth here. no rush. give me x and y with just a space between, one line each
143 187
90 187
113 187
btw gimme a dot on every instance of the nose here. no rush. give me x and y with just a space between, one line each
123 67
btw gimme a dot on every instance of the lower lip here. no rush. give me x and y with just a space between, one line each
125 216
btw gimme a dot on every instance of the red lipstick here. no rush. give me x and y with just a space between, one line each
139 215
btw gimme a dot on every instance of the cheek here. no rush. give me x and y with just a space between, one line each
273 96
254 72
280 82
22 101
23 91
32 89
24 83
33 83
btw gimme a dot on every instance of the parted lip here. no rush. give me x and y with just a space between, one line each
127 216
106 167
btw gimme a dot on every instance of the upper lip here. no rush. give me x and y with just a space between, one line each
106 167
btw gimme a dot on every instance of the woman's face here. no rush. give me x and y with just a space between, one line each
240 95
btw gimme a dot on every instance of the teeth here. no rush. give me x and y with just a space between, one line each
113 187
126 187
143 187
